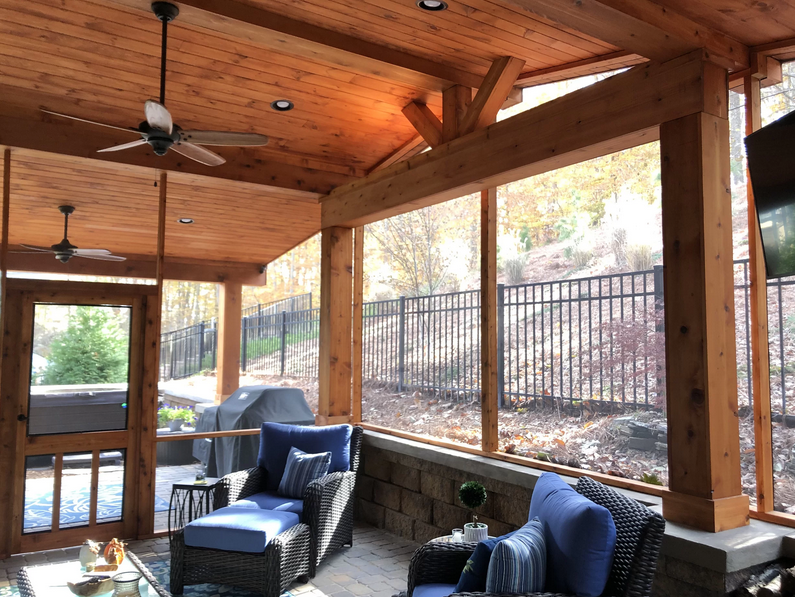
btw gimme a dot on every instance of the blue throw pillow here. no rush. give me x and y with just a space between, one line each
301 469
473 577
276 440
519 564
580 535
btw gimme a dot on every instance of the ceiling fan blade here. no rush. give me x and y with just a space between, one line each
29 252
158 117
91 252
101 257
123 146
39 249
110 126
200 154
224 138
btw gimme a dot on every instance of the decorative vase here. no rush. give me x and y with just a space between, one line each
88 553
175 424
126 584
475 532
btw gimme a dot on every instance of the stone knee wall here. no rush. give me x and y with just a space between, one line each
418 500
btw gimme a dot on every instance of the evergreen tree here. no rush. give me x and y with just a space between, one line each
91 350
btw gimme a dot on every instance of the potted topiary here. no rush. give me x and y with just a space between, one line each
175 417
473 495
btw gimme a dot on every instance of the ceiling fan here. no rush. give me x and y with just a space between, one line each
159 130
65 250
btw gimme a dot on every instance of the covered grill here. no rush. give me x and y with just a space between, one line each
248 408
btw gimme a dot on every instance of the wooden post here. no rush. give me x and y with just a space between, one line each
358 292
703 428
760 356
489 389
336 295
8 423
230 315
455 103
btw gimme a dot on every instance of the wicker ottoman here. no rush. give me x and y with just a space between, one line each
286 558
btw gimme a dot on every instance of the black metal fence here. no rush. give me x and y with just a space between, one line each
598 339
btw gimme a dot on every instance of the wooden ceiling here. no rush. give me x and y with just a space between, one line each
116 208
350 67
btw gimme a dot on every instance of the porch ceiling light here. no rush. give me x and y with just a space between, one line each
185 220
282 105
432 5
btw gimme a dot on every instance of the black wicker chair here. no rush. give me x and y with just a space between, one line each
328 502
639 533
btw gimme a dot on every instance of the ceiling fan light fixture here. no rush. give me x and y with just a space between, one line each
432 5
185 220
282 105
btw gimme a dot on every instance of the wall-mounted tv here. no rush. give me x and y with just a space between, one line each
771 163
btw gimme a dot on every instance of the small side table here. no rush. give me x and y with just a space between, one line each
190 500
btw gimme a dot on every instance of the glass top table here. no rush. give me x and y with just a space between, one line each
49 580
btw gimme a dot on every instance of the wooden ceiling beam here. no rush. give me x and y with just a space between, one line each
615 114
144 267
492 93
29 128
642 27
279 32
424 122
580 68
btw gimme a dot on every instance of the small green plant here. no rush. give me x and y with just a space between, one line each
168 413
651 479
473 495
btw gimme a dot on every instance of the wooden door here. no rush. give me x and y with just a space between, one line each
74 389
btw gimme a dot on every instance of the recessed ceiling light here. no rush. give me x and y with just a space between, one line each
282 105
432 5
185 220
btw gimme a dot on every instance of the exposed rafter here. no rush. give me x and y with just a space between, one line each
425 123
641 27
581 68
620 112
277 31
492 94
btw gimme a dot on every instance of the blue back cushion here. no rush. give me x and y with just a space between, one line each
276 439
473 577
580 536
519 563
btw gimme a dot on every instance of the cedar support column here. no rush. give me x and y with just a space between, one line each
358 298
336 296
230 314
489 383
703 428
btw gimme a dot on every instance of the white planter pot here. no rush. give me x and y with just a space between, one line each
475 533
86 555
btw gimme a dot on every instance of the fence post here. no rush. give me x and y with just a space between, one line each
284 339
402 344
201 345
173 353
215 345
244 343
659 299
500 345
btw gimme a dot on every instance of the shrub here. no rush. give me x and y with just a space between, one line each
639 257
514 269
167 413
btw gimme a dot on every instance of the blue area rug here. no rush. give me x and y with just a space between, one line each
160 569
75 502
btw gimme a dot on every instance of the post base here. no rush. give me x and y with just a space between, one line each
708 515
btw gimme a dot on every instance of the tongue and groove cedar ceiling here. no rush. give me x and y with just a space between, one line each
350 67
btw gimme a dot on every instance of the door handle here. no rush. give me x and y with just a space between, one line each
22 417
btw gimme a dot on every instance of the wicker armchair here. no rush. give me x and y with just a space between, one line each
328 502
639 533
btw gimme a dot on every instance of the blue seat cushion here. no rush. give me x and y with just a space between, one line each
276 440
434 589
518 563
580 535
473 577
270 500
238 529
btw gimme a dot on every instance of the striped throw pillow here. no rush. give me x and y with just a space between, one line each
518 564
301 469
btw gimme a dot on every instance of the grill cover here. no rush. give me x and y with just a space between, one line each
203 447
248 408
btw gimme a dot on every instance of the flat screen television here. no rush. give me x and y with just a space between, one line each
771 164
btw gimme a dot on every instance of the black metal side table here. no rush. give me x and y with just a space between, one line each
190 500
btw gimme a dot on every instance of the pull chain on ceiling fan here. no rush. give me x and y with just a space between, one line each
159 130
65 250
